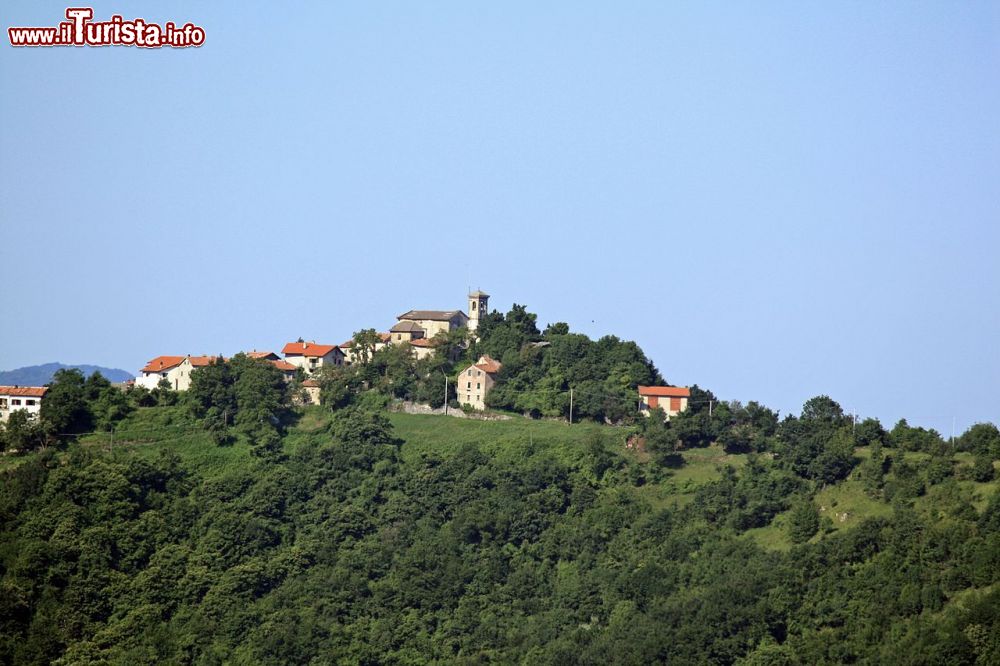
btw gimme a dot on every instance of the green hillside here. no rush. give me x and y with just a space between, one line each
222 527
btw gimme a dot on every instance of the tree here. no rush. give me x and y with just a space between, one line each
982 438
21 432
558 328
823 409
109 407
803 520
64 410
365 341
661 441
982 468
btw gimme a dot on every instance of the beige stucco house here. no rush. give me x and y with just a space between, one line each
475 382
671 399
404 331
432 322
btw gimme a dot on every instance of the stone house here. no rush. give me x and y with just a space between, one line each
474 382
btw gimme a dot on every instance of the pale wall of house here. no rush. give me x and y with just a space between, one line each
307 362
401 337
11 403
664 404
151 379
422 352
472 387
312 393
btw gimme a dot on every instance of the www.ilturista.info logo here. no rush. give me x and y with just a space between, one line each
79 30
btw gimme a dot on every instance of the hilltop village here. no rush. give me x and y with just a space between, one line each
422 332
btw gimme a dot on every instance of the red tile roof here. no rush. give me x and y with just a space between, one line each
311 383
307 349
24 391
489 365
284 366
668 391
262 354
422 342
161 363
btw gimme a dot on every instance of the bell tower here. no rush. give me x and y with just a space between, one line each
478 302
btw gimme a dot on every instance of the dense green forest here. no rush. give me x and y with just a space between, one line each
226 525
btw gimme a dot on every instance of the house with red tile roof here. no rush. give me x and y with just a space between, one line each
671 399
265 355
27 398
311 356
475 382
175 369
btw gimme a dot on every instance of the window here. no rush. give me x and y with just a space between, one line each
3 403
15 401
468 385
477 386
30 403
399 336
473 306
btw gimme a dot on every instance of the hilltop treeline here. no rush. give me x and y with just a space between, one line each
339 551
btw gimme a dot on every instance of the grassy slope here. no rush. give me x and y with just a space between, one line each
148 431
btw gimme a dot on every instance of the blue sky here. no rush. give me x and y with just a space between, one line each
776 201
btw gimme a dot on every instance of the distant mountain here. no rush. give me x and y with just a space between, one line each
38 375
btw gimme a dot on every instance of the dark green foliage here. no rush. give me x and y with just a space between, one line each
64 410
332 549
536 379
21 432
908 438
818 445
803 520
982 439
982 468
251 395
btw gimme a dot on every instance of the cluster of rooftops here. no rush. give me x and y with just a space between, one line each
415 328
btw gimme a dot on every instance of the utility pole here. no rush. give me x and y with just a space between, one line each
446 395
710 409
571 405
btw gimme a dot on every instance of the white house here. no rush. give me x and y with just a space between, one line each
28 398
311 356
175 369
